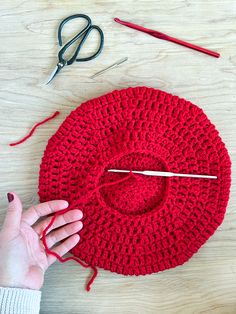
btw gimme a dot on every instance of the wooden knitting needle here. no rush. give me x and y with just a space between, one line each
165 174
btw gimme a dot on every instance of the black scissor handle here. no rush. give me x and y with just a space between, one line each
86 34
76 37
69 18
83 34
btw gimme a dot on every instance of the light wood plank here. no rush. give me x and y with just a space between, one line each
207 283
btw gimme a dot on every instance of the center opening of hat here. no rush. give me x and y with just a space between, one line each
138 194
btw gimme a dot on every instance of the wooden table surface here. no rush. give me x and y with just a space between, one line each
207 283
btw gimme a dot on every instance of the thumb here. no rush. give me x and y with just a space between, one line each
12 220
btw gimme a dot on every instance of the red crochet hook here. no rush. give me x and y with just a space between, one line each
168 38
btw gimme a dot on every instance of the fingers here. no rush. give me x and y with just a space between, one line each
12 221
31 215
61 220
64 247
63 233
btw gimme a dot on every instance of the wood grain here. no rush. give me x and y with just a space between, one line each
207 283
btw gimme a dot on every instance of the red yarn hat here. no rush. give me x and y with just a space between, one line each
133 224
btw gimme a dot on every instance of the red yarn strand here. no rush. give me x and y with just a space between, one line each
63 260
61 212
34 128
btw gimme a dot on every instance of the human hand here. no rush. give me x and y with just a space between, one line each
23 260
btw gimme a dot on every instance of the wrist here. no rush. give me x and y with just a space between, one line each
11 275
8 281
11 284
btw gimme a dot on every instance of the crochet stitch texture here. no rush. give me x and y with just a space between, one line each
141 224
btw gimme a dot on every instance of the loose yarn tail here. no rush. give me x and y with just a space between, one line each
61 212
34 128
61 259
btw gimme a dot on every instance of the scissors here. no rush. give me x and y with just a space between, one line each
82 36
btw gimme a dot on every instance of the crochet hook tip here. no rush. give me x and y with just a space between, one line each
117 20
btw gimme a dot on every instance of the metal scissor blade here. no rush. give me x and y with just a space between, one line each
53 74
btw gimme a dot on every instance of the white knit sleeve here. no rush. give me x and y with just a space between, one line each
19 301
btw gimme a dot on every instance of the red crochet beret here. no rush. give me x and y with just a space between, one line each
133 224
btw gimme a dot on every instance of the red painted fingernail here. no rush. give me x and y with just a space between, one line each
10 197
